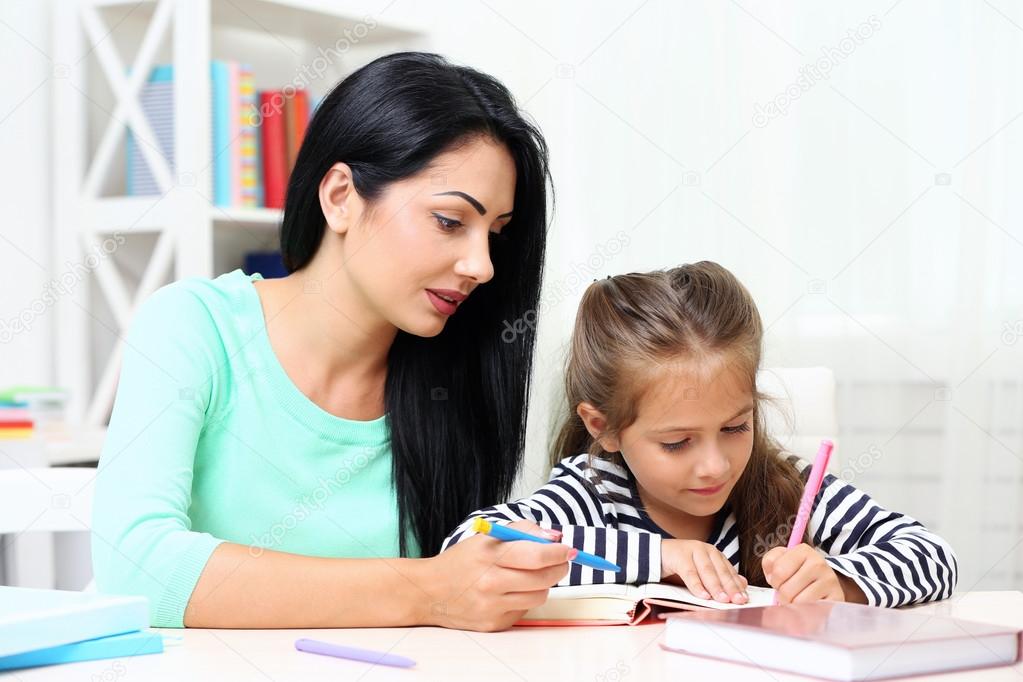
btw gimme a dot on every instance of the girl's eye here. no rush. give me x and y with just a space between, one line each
741 428
678 445
449 224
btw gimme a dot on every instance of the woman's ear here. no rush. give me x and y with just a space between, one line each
339 201
596 424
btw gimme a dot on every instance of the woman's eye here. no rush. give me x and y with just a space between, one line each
446 223
677 445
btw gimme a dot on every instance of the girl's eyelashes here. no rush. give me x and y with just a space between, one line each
678 445
741 428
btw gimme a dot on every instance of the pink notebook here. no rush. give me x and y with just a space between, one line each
839 641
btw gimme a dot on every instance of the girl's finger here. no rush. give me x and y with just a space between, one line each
708 573
691 578
729 577
799 581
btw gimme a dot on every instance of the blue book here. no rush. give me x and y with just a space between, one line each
220 77
157 101
32 619
115 646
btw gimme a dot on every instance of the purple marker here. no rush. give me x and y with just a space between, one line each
313 646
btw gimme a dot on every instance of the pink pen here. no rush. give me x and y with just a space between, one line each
813 486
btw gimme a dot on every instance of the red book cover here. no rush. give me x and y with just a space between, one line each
296 114
273 137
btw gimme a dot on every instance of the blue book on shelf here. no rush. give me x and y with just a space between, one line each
32 619
157 101
115 646
220 77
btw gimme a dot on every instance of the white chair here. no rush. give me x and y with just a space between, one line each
43 500
802 411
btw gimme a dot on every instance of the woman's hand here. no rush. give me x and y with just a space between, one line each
801 574
704 570
484 584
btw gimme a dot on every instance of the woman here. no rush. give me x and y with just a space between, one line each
281 453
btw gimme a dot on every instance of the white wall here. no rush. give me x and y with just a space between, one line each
874 221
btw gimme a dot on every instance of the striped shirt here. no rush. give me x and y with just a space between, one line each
890 556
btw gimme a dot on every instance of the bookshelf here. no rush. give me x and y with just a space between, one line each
114 250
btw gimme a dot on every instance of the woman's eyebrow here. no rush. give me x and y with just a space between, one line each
480 208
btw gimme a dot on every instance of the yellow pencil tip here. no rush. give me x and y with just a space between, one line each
481 525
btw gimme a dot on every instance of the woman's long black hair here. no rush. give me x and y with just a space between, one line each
456 403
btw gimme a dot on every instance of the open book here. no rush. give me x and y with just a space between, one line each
616 604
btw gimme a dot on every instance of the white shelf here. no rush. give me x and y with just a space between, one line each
245 218
121 40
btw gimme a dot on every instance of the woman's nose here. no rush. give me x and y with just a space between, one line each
475 262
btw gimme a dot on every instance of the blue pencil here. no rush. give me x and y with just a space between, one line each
506 534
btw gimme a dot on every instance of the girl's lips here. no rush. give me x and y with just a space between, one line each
707 491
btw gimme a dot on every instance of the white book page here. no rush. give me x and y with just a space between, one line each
758 596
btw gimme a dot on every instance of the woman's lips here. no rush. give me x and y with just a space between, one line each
444 307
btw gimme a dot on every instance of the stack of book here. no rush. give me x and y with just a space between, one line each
45 627
256 135
15 420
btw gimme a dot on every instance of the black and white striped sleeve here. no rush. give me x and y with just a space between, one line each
892 557
575 503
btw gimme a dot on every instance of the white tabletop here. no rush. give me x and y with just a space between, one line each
598 654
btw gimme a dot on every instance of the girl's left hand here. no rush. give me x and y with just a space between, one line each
801 575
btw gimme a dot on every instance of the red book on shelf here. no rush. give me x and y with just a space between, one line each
273 137
297 113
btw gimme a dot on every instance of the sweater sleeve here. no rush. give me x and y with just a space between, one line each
892 557
142 542
577 505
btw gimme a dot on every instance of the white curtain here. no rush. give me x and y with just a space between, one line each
877 220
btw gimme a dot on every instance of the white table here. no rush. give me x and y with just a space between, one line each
598 654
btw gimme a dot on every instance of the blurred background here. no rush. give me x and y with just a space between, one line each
852 163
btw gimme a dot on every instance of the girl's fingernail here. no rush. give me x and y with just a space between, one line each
722 596
573 554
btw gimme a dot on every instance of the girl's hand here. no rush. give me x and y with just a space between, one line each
487 585
704 570
802 575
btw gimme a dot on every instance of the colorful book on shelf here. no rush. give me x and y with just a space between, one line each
136 643
840 641
16 420
618 604
157 102
32 619
273 147
251 193
234 118
220 85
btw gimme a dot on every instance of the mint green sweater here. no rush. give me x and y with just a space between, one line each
210 441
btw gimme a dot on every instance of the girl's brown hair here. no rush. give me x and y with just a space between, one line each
631 326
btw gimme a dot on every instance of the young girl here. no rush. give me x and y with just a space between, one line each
666 468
